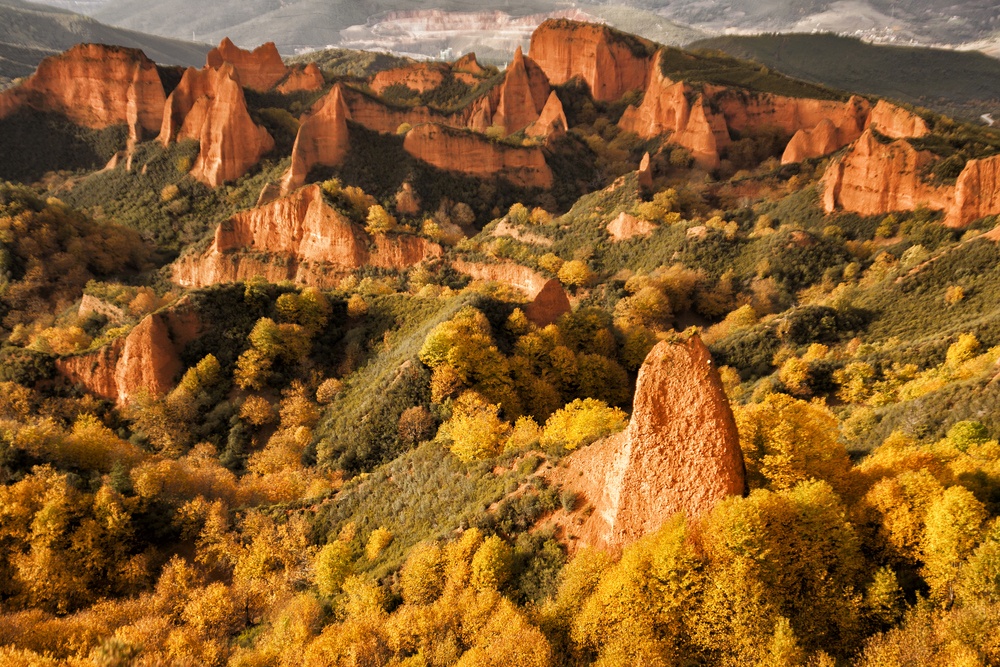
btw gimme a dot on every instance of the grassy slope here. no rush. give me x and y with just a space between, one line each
963 84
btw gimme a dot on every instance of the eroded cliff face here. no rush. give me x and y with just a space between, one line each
146 360
322 139
299 238
475 155
419 77
523 95
260 69
680 452
551 121
95 86
896 122
702 118
977 192
874 178
308 78
547 298
208 105
602 57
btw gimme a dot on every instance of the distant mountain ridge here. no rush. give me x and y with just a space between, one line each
965 84
300 24
29 32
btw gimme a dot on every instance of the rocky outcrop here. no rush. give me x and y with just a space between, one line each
547 298
611 63
208 105
260 69
897 123
418 77
322 139
91 305
680 452
626 227
551 121
470 65
703 118
977 192
475 155
645 172
299 238
874 178
523 95
95 86
146 360
305 79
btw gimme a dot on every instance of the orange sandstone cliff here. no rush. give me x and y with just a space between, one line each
977 192
299 238
208 105
474 154
523 95
896 122
260 69
322 139
609 62
94 86
874 178
147 359
680 452
702 118
308 78
548 299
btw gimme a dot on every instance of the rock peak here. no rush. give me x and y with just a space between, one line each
680 452
260 69
322 139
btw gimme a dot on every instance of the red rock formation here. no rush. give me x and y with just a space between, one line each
875 178
626 227
208 105
820 140
701 119
522 96
299 238
475 155
418 77
601 56
308 79
147 359
95 86
552 120
896 122
680 453
645 172
376 116
548 300
468 63
322 139
260 69
977 192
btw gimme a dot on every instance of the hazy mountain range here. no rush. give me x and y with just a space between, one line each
301 24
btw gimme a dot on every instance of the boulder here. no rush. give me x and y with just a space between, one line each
626 227
611 63
260 69
322 139
475 155
680 452
299 238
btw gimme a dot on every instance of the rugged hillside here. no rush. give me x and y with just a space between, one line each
622 354
30 32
